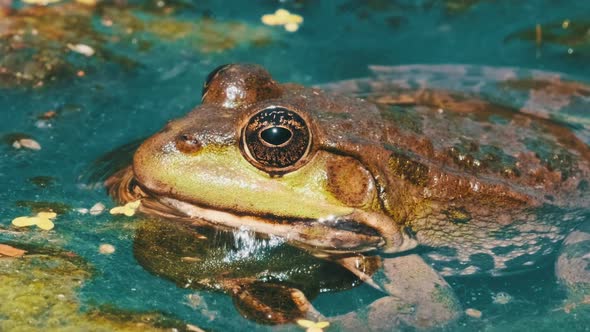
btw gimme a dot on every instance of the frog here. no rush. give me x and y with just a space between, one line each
403 179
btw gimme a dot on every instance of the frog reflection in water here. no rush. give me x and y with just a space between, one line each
401 187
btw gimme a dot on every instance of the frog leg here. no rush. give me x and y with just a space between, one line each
269 303
417 296
573 267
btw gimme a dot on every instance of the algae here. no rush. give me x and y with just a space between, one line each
39 293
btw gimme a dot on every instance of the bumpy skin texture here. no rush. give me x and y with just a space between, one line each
493 188
425 158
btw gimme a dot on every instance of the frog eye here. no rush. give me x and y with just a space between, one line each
211 77
276 138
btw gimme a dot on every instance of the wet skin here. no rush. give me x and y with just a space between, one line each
478 187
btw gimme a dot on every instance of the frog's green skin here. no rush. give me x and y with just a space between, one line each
484 188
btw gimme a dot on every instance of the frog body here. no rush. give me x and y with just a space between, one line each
418 157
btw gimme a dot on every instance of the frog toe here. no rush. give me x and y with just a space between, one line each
573 265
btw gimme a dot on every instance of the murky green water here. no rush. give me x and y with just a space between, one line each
149 61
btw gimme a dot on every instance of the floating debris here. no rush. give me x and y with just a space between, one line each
474 313
40 2
283 17
106 249
501 298
97 209
190 259
538 34
48 115
41 220
10 251
28 143
194 328
312 326
568 33
82 49
128 209
81 210
42 181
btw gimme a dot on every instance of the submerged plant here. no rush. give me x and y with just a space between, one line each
67 40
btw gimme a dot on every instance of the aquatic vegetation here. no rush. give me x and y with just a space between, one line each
363 8
70 40
42 220
42 181
573 34
42 293
501 298
41 206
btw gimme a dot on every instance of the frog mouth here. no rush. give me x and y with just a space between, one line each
330 235
359 231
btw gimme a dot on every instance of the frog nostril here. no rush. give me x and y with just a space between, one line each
187 143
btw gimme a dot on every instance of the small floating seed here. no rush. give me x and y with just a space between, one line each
27 143
82 49
97 209
106 249
473 313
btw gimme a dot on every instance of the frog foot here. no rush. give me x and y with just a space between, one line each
573 267
417 296
269 303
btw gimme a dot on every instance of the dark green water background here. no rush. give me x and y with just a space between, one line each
111 106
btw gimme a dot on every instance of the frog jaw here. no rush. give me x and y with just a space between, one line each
221 188
330 235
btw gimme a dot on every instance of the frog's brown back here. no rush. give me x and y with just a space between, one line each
489 183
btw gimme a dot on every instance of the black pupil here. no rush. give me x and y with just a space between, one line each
276 135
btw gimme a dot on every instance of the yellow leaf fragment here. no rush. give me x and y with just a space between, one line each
314 329
24 221
133 205
45 224
283 17
42 220
291 27
312 326
305 323
47 215
322 325
128 209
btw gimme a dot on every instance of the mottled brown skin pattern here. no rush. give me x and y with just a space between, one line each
483 188
492 178
489 189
